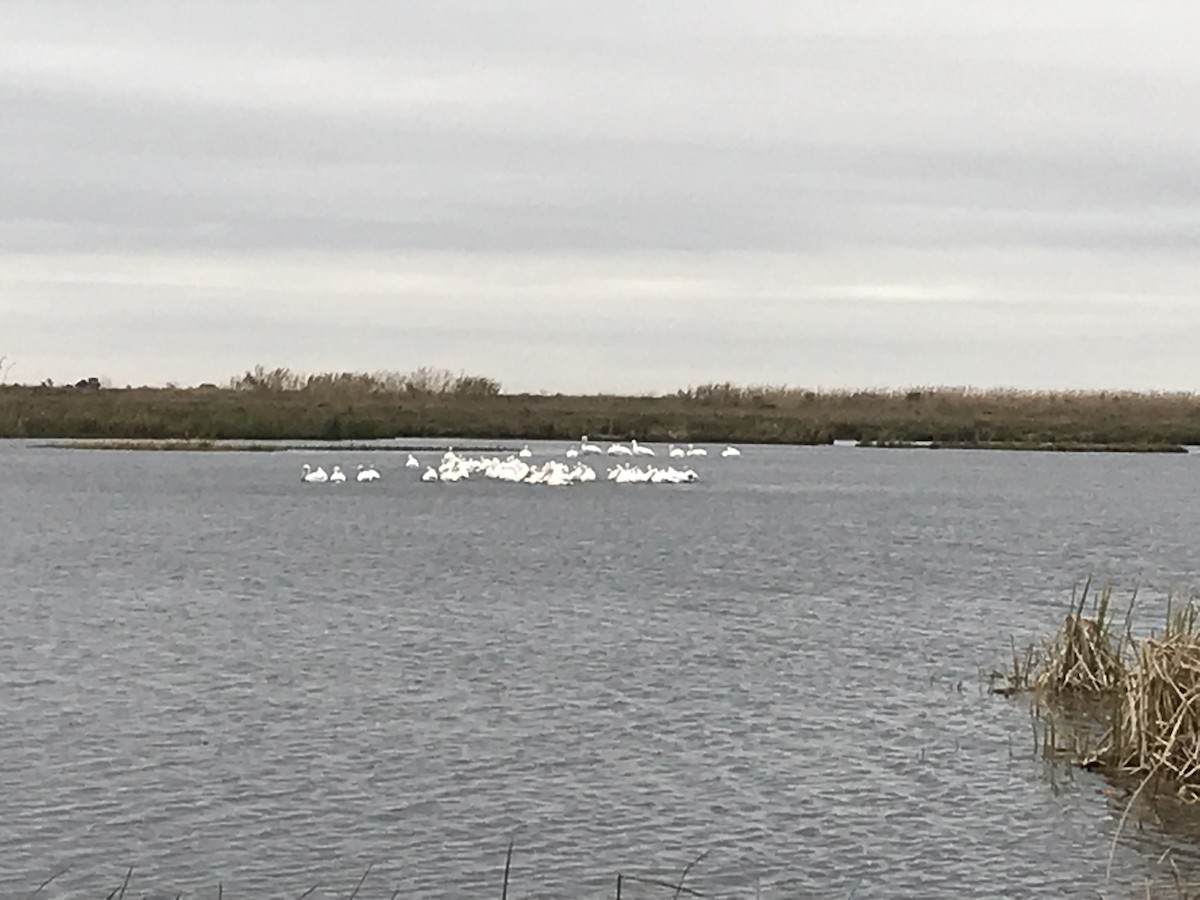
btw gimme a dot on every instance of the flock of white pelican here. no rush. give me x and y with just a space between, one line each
514 468
337 476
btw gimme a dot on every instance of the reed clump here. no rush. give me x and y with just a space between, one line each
1144 691
1155 723
1084 659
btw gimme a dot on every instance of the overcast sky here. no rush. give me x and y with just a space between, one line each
603 196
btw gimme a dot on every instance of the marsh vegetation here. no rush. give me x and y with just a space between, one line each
1144 690
280 404
1124 705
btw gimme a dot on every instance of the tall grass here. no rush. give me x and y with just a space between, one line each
280 403
422 382
1125 706
1084 659
1146 691
1155 728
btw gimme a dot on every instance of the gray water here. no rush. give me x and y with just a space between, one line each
217 674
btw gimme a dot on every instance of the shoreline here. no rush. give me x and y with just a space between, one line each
218 446
1030 446
284 446
211 418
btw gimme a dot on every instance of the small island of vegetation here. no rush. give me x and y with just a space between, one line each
280 404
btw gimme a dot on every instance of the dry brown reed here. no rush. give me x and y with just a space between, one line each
1145 692
1126 707
1155 724
424 381
1084 659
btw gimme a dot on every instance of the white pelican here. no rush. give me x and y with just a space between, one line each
511 469
619 450
572 453
454 473
639 450
525 452
693 450
430 474
585 447
337 474
629 475
558 475
731 451
411 463
367 474
675 451
314 477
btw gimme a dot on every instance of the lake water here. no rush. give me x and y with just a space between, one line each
217 674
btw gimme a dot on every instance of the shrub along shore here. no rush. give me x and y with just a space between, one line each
282 405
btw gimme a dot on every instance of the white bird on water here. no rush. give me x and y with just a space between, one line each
625 473
411 462
525 452
639 450
367 474
731 451
552 473
585 447
314 477
337 475
693 450
676 451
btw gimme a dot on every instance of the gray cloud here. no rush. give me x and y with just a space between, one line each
603 195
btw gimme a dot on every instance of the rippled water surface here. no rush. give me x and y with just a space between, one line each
217 674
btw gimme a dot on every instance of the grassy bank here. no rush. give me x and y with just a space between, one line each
274 406
1040 446
170 444
204 445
